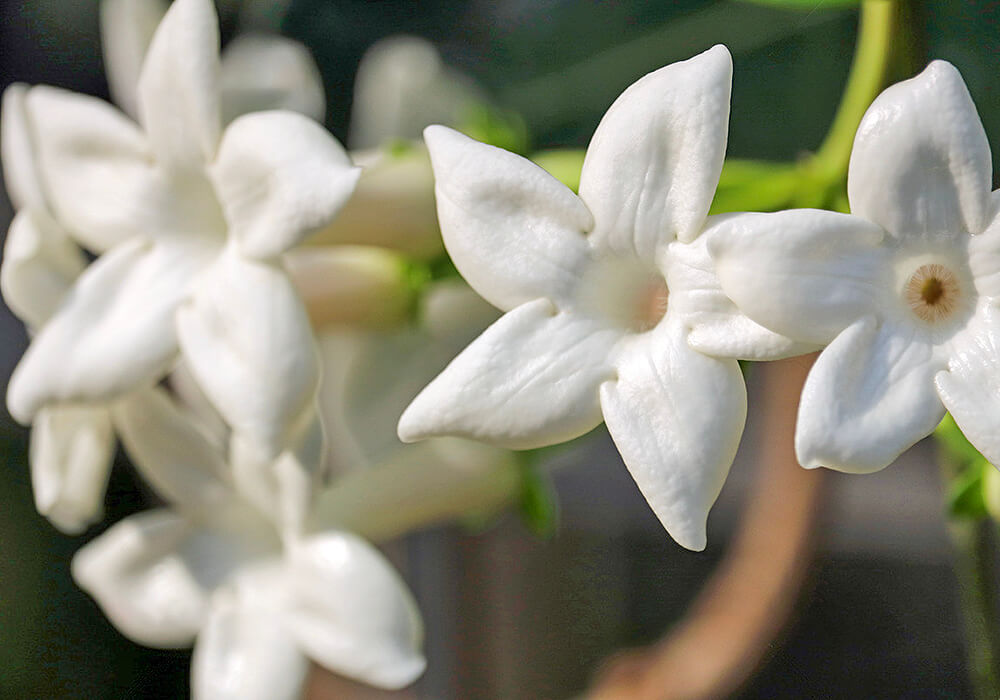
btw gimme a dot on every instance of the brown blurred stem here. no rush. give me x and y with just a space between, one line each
738 615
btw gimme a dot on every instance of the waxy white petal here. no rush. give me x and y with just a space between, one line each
245 652
40 264
512 230
170 450
351 612
717 327
280 177
530 379
114 334
71 452
261 72
654 162
144 581
246 337
18 154
984 254
970 388
127 28
921 162
179 86
806 274
98 174
676 416
868 398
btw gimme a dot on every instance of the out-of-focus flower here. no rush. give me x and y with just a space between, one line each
368 379
211 568
257 71
192 223
602 292
402 85
905 291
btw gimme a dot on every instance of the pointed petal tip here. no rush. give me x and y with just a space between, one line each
396 676
693 538
442 143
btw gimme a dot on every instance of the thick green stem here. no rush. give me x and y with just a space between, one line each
976 568
871 58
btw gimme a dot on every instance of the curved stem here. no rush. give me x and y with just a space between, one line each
871 58
734 621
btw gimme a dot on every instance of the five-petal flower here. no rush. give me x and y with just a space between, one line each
603 292
905 290
213 571
192 222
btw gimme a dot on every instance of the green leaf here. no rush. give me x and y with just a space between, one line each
503 129
965 493
538 506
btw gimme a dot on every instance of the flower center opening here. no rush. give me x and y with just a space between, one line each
933 292
651 305
625 293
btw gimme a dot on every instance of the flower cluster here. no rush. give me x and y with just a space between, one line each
257 383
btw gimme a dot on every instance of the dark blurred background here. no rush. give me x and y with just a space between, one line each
509 616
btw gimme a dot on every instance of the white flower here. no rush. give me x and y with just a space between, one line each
194 221
211 570
257 71
905 291
590 330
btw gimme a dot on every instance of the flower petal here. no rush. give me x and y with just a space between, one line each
280 177
246 338
179 86
18 151
71 452
352 614
170 451
512 230
921 162
139 575
261 72
245 652
806 274
531 379
96 169
39 267
868 398
716 326
970 388
984 253
114 333
676 416
653 164
127 28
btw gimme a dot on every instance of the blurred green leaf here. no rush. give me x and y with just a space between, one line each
563 164
966 494
501 128
538 507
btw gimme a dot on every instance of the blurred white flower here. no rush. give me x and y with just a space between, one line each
213 571
257 71
905 291
602 292
402 85
369 376
192 223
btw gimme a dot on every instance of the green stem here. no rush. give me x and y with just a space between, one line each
977 576
871 57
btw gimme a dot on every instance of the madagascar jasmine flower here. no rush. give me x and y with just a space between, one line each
904 290
602 292
212 571
194 220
